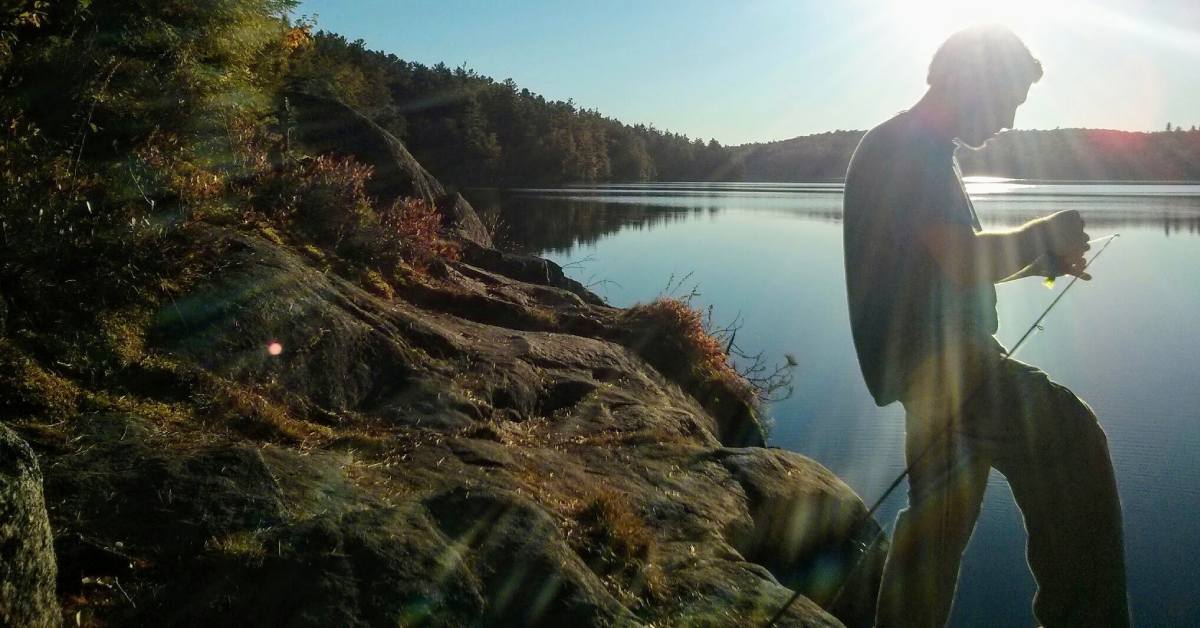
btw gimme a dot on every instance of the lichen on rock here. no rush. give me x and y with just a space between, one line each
27 568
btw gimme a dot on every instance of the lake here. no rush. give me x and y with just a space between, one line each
770 255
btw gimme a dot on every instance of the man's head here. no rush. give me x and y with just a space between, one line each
984 74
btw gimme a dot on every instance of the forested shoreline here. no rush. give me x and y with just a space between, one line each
477 131
474 130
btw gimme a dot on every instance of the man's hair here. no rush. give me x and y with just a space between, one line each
983 58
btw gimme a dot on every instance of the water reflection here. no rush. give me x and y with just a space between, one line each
772 256
556 220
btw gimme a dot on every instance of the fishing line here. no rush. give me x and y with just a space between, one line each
864 547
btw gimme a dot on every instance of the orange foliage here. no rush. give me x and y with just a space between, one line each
412 227
678 319
297 37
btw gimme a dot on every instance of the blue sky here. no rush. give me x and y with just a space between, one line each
760 70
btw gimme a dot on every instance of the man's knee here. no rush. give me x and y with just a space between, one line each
1055 413
1079 422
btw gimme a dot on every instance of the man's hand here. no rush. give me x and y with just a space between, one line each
1064 233
1051 266
1066 242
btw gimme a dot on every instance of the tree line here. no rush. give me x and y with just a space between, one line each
470 129
1059 154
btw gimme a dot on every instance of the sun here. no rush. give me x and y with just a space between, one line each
935 20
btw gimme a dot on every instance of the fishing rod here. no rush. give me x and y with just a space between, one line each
1037 325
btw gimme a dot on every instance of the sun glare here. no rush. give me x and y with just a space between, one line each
934 20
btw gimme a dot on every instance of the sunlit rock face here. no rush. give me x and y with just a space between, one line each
27 569
487 445
546 472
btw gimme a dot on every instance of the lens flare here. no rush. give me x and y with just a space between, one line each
274 348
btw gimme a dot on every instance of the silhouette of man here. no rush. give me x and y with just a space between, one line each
921 275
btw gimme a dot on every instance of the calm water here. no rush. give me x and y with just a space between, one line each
1127 342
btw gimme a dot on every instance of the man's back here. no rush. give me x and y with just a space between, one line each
901 179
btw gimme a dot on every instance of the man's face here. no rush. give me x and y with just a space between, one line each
991 111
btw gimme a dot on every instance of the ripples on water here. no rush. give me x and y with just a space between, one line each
771 253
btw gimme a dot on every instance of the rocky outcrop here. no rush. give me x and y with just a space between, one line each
27 569
602 423
487 445
477 450
529 269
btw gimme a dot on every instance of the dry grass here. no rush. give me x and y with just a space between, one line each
603 527
123 333
374 283
252 412
619 546
244 546
104 401
672 335
28 390
684 327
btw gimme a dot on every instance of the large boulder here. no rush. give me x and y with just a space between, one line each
468 458
809 529
339 348
322 125
457 558
528 268
128 495
27 568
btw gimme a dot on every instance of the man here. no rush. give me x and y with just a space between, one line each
920 274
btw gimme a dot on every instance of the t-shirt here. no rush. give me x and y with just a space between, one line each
903 309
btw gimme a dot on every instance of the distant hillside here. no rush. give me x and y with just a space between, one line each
477 131
1062 154
1089 154
806 158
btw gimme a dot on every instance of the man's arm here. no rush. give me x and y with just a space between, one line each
970 258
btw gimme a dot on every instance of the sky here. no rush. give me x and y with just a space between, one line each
761 70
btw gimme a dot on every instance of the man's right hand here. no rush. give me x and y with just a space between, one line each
1066 241
1064 234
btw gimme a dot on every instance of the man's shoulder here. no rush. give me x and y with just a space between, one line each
879 150
901 148
896 133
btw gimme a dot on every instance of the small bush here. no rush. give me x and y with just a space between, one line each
324 197
165 171
673 337
411 230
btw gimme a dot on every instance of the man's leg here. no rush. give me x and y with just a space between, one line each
1054 454
946 489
